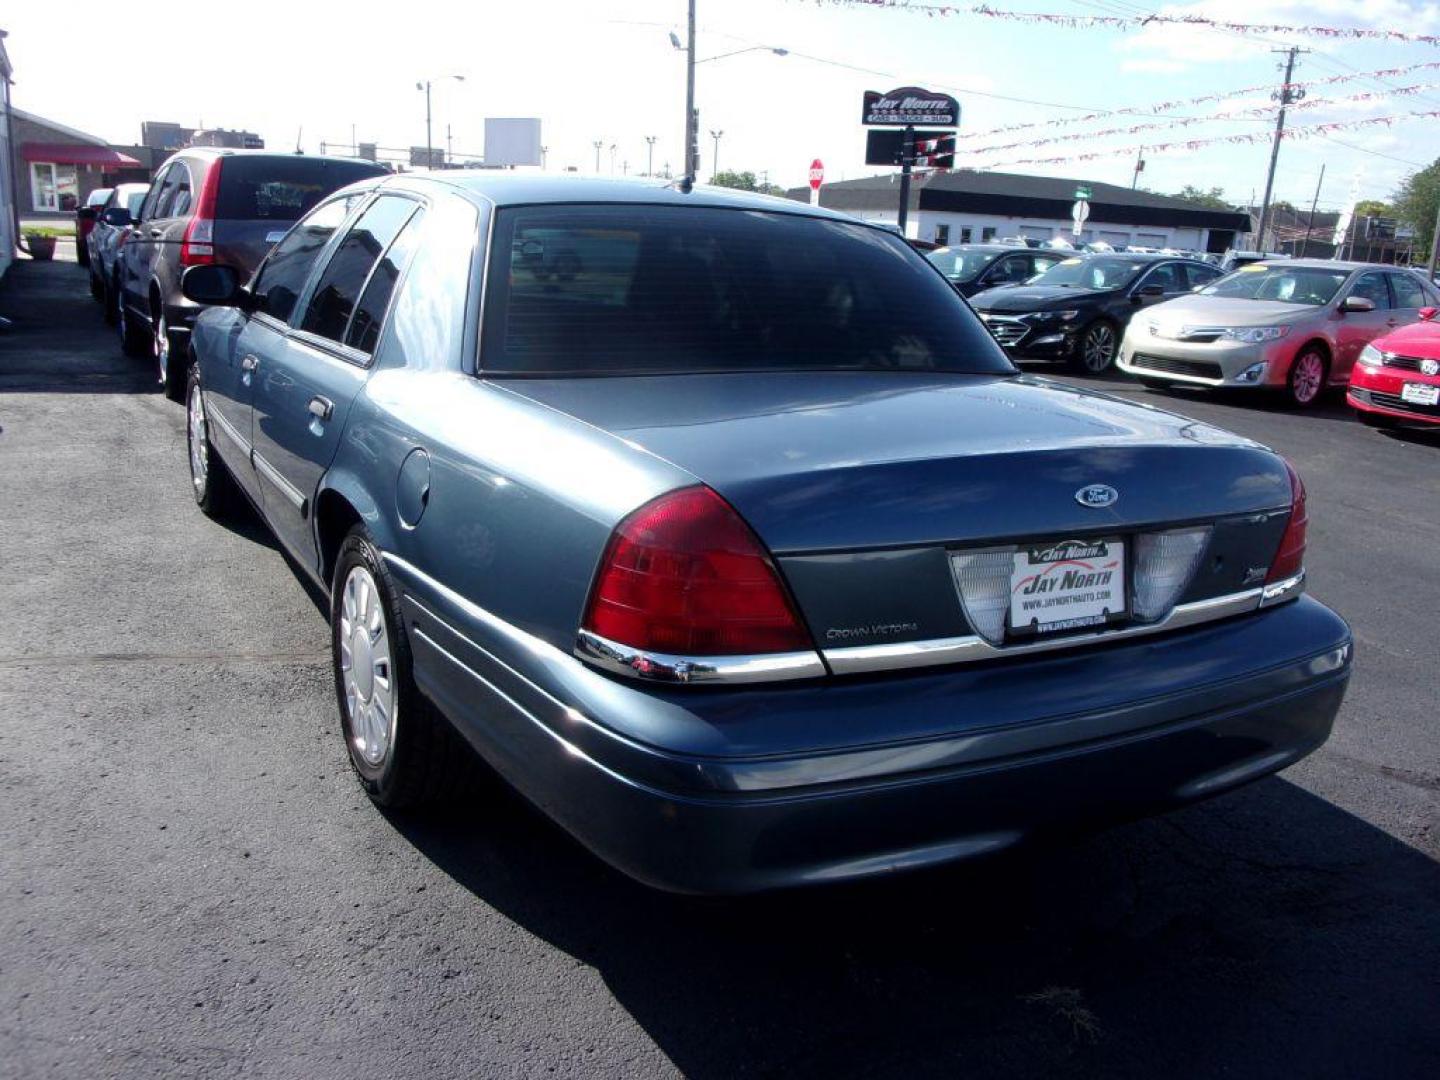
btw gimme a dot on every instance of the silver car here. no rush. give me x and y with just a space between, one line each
1296 326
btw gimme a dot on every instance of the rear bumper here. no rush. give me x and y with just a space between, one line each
1009 754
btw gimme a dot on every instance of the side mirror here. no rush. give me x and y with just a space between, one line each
86 213
1357 303
1428 313
117 216
1153 290
214 284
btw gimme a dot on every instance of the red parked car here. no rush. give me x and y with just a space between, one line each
1397 380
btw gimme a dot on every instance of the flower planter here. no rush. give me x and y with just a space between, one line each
41 248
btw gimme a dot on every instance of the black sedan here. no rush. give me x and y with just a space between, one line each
973 268
1077 310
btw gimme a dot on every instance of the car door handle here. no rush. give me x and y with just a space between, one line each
322 408
155 234
249 363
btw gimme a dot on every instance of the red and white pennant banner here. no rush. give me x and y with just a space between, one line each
1196 144
1136 22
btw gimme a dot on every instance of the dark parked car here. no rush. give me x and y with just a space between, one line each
85 218
972 268
210 207
743 551
1078 309
112 227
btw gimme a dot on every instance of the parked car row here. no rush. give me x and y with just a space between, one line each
204 207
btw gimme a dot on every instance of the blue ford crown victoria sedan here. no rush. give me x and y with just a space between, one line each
720 527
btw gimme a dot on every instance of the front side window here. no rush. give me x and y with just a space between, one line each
152 197
1101 272
283 275
612 290
1315 286
333 301
1373 288
960 265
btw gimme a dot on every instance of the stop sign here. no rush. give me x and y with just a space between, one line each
817 174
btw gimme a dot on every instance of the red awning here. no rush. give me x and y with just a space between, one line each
77 154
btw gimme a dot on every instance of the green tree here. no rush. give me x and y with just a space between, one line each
1416 201
745 181
1373 208
1214 199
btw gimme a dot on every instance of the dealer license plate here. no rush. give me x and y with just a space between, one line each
1067 585
1420 394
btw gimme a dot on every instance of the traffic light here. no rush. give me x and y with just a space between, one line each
937 152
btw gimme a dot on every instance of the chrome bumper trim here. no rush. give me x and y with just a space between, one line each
661 667
1281 591
959 650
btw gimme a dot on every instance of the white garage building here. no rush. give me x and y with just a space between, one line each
965 206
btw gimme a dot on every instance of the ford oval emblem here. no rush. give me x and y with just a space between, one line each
1097 495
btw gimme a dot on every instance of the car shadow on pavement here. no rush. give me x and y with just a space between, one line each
1266 933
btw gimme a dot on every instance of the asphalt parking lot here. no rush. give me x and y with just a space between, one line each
191 884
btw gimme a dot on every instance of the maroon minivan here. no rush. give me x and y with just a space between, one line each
210 206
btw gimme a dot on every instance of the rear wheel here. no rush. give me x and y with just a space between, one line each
1307 378
402 749
168 373
1095 351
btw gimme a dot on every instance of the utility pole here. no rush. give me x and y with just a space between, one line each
1139 168
1288 94
429 151
692 136
598 144
650 155
544 154
449 147
1434 244
715 160
1310 225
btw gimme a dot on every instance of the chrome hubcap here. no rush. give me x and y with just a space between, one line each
1309 370
1099 344
161 347
199 451
366 672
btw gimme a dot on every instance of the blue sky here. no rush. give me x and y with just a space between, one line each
604 70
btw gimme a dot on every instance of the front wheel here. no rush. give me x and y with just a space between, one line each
1306 381
1095 351
402 750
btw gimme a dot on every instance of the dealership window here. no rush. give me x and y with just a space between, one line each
942 234
53 186
987 233
964 236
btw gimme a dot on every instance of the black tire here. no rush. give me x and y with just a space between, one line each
211 484
167 350
1155 384
1096 348
97 287
1303 387
134 335
82 253
425 759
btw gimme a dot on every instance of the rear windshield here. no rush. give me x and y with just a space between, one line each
1096 272
1289 285
591 290
962 266
281 188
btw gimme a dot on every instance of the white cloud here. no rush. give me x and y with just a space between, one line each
1155 65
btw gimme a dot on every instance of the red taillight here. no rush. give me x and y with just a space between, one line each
684 575
1290 559
198 245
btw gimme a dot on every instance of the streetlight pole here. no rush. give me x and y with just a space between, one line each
715 161
544 154
429 147
650 155
689 169
598 144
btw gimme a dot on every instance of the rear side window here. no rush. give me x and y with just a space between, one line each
370 312
335 296
285 271
281 188
606 290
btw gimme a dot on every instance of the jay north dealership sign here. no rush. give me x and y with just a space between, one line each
910 105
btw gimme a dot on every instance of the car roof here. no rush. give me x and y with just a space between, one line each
508 189
1331 264
983 247
226 151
